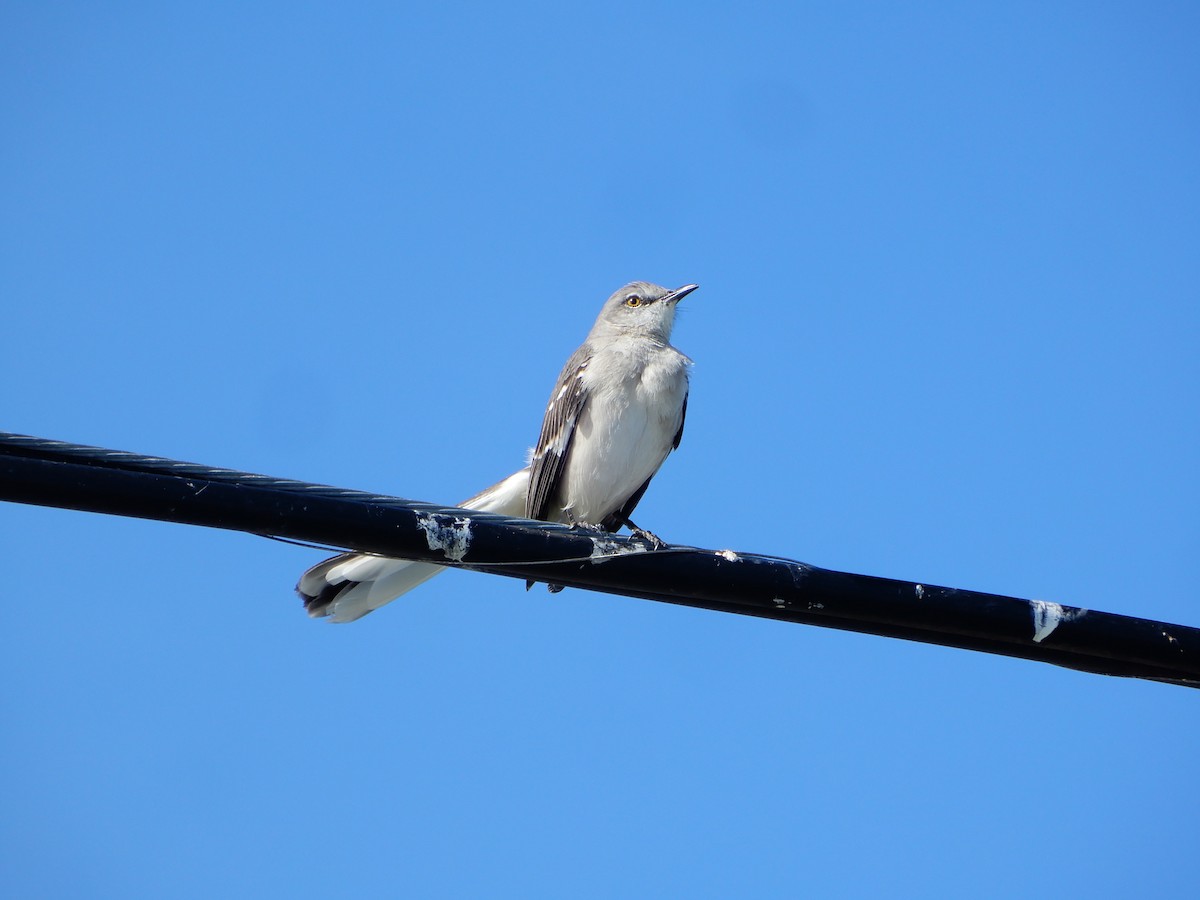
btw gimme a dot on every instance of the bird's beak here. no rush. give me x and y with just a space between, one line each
679 293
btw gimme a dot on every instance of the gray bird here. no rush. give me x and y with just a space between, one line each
615 413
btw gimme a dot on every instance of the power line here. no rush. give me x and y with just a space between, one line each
71 476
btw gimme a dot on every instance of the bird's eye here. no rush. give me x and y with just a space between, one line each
633 301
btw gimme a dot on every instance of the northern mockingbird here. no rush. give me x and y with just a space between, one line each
615 413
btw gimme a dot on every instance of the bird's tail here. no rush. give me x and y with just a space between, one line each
349 586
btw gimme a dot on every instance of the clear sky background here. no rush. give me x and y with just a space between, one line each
948 330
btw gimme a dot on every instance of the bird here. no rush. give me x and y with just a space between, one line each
615 413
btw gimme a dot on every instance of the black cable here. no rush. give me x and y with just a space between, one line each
70 476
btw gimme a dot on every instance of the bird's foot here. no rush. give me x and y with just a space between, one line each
552 588
588 528
655 542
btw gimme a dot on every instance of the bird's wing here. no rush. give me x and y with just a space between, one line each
679 433
567 403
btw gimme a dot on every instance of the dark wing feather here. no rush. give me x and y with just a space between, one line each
621 516
558 429
678 434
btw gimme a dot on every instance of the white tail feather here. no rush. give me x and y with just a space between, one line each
349 586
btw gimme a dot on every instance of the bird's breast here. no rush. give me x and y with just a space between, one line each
634 410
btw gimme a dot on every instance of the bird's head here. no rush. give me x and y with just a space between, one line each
641 308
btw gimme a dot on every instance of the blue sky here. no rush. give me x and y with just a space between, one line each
947 331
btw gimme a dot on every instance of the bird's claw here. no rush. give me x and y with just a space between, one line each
655 542
588 527
552 588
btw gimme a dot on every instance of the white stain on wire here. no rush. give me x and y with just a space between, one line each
1047 616
451 535
604 549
